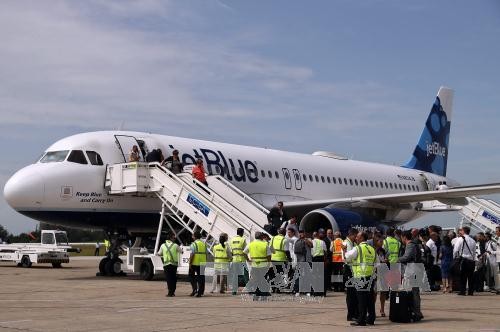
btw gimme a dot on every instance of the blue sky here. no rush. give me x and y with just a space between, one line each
354 78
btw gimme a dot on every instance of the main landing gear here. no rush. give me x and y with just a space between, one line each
111 264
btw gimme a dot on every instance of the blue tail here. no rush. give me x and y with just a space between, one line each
431 152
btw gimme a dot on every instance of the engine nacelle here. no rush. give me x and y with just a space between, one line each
336 219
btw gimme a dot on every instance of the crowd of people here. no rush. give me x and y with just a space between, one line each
452 262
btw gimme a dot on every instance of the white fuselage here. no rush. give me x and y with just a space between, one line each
71 193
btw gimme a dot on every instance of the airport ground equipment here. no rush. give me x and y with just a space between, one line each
482 214
52 249
187 206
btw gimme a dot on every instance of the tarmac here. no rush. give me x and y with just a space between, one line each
74 299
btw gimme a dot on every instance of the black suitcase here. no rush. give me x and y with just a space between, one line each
400 307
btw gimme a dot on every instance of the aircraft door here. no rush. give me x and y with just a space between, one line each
125 144
298 180
288 178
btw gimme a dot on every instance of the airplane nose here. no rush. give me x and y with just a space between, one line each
25 189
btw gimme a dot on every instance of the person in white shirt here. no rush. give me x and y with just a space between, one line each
291 237
465 247
492 267
351 300
292 223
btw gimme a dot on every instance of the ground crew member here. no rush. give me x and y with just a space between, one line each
170 251
350 299
280 256
107 244
363 258
222 257
318 256
197 262
239 272
391 246
337 261
258 254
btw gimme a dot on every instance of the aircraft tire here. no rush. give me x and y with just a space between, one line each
26 262
147 270
57 265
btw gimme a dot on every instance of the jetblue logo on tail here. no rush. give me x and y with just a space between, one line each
431 152
436 149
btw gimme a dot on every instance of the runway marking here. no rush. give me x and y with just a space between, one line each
132 309
16 321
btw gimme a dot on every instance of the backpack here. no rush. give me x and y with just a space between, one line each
271 229
426 256
299 247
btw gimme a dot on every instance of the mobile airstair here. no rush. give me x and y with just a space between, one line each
187 205
482 214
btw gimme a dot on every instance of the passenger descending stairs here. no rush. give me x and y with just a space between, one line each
483 214
218 208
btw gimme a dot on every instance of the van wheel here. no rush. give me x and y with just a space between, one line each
147 270
113 267
25 261
102 266
57 265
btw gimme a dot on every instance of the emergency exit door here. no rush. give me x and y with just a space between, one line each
288 178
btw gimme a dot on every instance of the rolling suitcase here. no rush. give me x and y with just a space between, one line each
400 307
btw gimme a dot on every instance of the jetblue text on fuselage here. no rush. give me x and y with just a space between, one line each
217 163
436 149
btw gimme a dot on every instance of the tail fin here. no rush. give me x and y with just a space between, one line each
431 152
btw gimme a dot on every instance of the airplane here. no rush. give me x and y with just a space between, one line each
66 185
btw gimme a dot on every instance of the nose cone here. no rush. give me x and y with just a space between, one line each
25 189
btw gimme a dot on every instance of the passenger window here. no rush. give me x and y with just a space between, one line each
316 177
304 177
350 181
340 181
361 183
334 180
54 156
276 174
345 181
322 179
404 186
386 185
328 179
77 156
355 181
94 157
270 174
400 187
376 184
390 185
262 173
310 177
371 183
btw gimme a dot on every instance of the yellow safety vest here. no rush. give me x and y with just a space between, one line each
237 245
392 246
221 259
278 244
365 262
318 248
170 255
200 253
257 250
337 251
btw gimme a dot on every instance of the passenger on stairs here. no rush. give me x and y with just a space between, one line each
174 163
135 155
199 172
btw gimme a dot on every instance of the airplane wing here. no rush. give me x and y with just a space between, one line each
455 196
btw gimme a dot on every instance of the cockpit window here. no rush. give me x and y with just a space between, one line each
77 156
54 156
94 157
